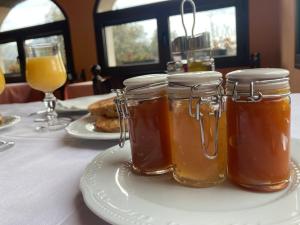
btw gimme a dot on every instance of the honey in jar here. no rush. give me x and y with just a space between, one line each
258 118
144 104
198 128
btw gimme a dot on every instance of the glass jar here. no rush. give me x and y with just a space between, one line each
198 129
143 103
258 118
199 53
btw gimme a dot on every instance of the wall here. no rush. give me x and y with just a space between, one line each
288 42
80 14
264 30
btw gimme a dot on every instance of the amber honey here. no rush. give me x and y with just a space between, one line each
143 103
197 129
149 136
258 118
259 143
190 166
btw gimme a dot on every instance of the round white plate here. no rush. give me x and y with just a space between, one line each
120 197
76 105
84 128
9 121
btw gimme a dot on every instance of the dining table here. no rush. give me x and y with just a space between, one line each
40 174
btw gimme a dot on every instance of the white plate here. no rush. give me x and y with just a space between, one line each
79 104
9 121
118 196
84 128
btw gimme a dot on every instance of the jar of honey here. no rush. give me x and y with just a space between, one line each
258 118
143 104
198 128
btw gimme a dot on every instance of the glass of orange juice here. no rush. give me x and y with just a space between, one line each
45 71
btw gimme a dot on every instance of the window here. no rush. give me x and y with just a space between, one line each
134 37
221 25
30 21
132 44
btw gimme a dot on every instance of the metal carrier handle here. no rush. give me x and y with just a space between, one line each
253 96
218 99
123 113
182 16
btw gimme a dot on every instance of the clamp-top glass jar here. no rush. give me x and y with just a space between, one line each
258 118
198 129
143 103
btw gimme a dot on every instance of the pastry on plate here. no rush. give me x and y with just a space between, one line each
104 108
106 124
106 115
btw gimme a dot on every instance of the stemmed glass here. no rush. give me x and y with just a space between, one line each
4 144
45 72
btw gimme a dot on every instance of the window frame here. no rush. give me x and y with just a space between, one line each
161 12
19 36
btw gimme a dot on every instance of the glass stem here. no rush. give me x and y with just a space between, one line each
50 103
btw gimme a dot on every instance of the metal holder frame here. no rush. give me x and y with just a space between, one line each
182 16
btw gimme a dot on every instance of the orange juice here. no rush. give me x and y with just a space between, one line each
45 73
2 82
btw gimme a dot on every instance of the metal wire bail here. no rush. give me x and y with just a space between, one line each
217 102
182 16
252 95
122 109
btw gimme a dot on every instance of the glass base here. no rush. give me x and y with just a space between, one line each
264 187
150 172
53 125
198 183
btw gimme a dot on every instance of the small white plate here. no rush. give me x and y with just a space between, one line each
9 121
120 197
84 128
81 104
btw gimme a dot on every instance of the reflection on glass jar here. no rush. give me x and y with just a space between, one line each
258 117
147 113
198 129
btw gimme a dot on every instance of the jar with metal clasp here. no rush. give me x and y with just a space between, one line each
143 103
198 128
258 118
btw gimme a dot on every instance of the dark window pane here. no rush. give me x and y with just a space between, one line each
132 43
220 23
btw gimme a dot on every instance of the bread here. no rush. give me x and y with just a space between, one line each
106 115
106 124
105 108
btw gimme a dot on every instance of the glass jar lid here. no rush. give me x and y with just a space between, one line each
145 84
257 83
257 74
206 82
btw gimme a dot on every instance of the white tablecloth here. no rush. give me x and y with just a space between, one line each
39 176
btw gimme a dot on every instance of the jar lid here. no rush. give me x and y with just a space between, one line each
146 83
193 78
263 80
257 74
204 83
